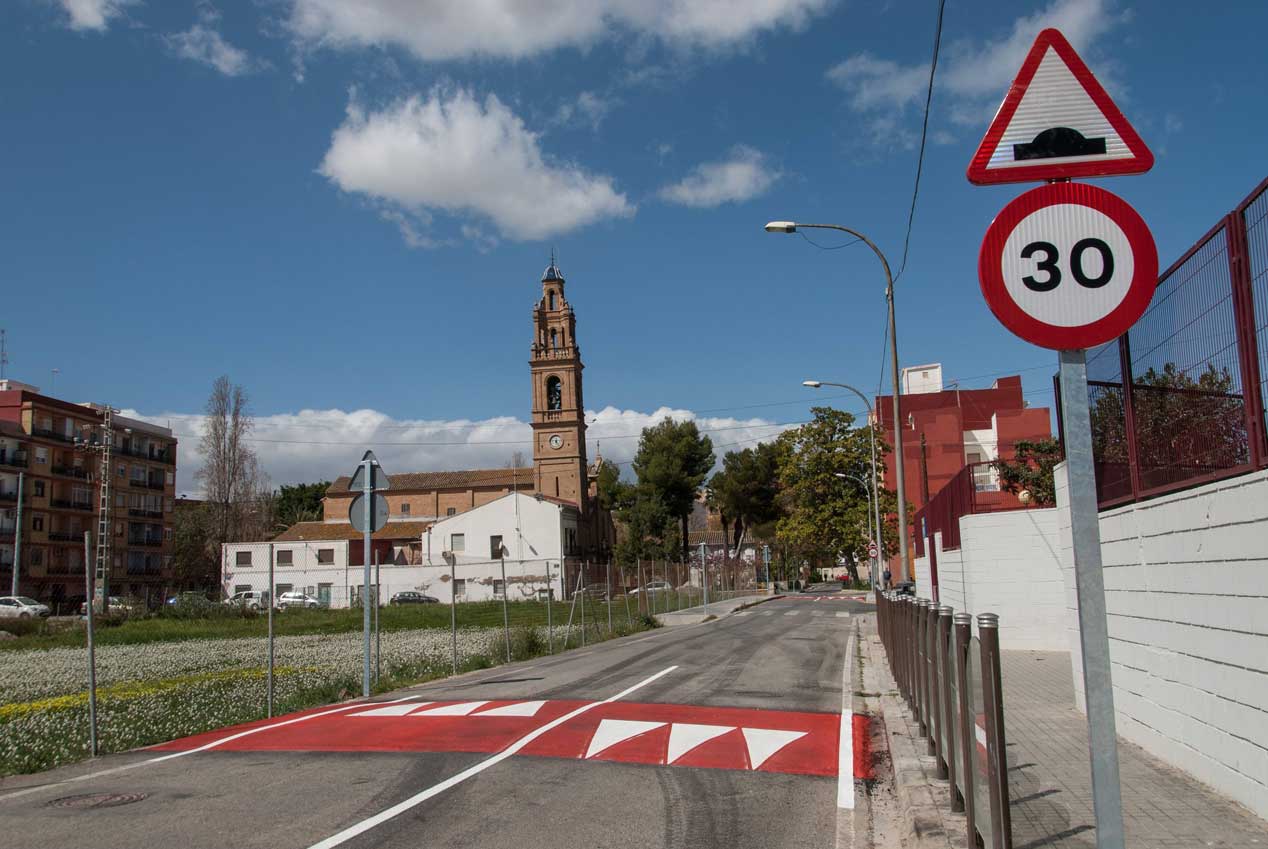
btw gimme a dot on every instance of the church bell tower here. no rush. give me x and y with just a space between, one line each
559 426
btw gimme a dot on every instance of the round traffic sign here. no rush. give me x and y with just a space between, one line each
1068 265
378 512
871 550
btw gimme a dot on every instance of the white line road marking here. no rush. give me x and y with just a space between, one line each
845 751
460 709
213 744
613 731
418 798
520 709
685 736
392 710
764 742
792 613
843 614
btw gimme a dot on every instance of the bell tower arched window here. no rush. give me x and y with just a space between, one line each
554 394
552 299
554 339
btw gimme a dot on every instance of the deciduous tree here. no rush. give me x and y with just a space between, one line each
671 464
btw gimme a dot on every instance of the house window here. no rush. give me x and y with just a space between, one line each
285 557
499 588
167 505
451 511
171 478
37 556
37 523
241 588
118 499
243 558
325 555
458 542
495 547
405 508
167 534
460 589
284 588
123 471
39 489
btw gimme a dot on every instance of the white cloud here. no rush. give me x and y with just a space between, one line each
313 445
93 14
203 43
589 109
442 29
453 153
743 175
972 75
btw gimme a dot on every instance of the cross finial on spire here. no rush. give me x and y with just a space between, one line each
552 254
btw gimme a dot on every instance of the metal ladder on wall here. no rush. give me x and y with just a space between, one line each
103 511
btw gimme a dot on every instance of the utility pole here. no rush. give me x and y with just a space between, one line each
104 447
17 538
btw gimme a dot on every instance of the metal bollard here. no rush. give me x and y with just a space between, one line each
932 709
909 649
996 754
961 640
946 736
920 669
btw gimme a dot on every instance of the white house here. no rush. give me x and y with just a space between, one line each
455 557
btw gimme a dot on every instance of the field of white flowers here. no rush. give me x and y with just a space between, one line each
152 692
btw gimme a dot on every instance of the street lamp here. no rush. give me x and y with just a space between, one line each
872 500
873 421
792 227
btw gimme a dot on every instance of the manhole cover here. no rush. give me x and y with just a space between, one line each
97 800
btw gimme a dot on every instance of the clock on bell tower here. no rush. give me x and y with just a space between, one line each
559 427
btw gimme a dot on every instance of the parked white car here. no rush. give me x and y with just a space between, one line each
653 587
295 599
253 599
21 607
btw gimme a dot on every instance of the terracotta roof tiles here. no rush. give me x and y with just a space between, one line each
414 481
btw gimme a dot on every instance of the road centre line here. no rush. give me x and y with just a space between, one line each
418 798
845 751
202 748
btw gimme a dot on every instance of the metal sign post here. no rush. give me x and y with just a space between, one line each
92 656
367 513
704 574
1085 529
268 698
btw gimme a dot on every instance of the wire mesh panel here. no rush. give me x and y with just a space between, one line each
1255 216
1187 402
981 777
1109 422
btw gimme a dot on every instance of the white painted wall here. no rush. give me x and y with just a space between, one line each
1009 564
1186 591
532 557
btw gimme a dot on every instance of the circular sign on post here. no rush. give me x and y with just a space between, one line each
1068 265
378 512
871 550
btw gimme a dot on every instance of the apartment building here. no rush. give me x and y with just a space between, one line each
43 440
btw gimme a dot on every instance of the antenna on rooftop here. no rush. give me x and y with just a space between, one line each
4 354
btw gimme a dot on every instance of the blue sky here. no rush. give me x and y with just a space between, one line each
350 210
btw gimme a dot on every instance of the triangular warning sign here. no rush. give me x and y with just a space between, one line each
1057 121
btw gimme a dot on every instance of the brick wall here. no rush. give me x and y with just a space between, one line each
1186 585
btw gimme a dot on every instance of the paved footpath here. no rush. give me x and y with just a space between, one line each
736 732
1050 776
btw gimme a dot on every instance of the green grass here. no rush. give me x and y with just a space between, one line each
294 622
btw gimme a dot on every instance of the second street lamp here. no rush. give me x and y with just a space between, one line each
872 422
871 500
792 227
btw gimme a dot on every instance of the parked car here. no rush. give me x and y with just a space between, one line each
22 607
297 599
905 587
116 606
411 597
189 597
250 599
653 587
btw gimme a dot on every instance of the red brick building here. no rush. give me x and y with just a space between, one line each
959 427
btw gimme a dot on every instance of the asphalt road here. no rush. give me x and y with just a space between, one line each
719 734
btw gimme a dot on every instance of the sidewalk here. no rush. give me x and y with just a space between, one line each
1050 777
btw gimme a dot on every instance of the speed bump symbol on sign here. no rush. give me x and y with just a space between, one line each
1068 265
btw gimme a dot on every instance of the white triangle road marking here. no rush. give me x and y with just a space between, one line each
613 731
517 709
764 742
843 614
684 736
460 709
392 710
792 613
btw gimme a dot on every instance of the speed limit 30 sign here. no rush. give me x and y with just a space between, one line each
1068 265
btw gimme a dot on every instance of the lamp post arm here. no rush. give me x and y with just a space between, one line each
889 278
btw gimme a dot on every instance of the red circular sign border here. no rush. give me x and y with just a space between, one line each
1139 293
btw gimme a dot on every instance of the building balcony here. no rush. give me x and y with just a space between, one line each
146 542
52 434
12 497
144 514
72 472
15 459
65 536
159 455
139 484
67 504
159 485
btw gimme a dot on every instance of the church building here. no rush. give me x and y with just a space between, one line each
561 471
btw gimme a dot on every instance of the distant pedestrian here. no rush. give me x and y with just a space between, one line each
887 576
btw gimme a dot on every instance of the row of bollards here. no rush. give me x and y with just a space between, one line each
950 680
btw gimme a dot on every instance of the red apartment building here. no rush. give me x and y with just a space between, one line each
959 427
